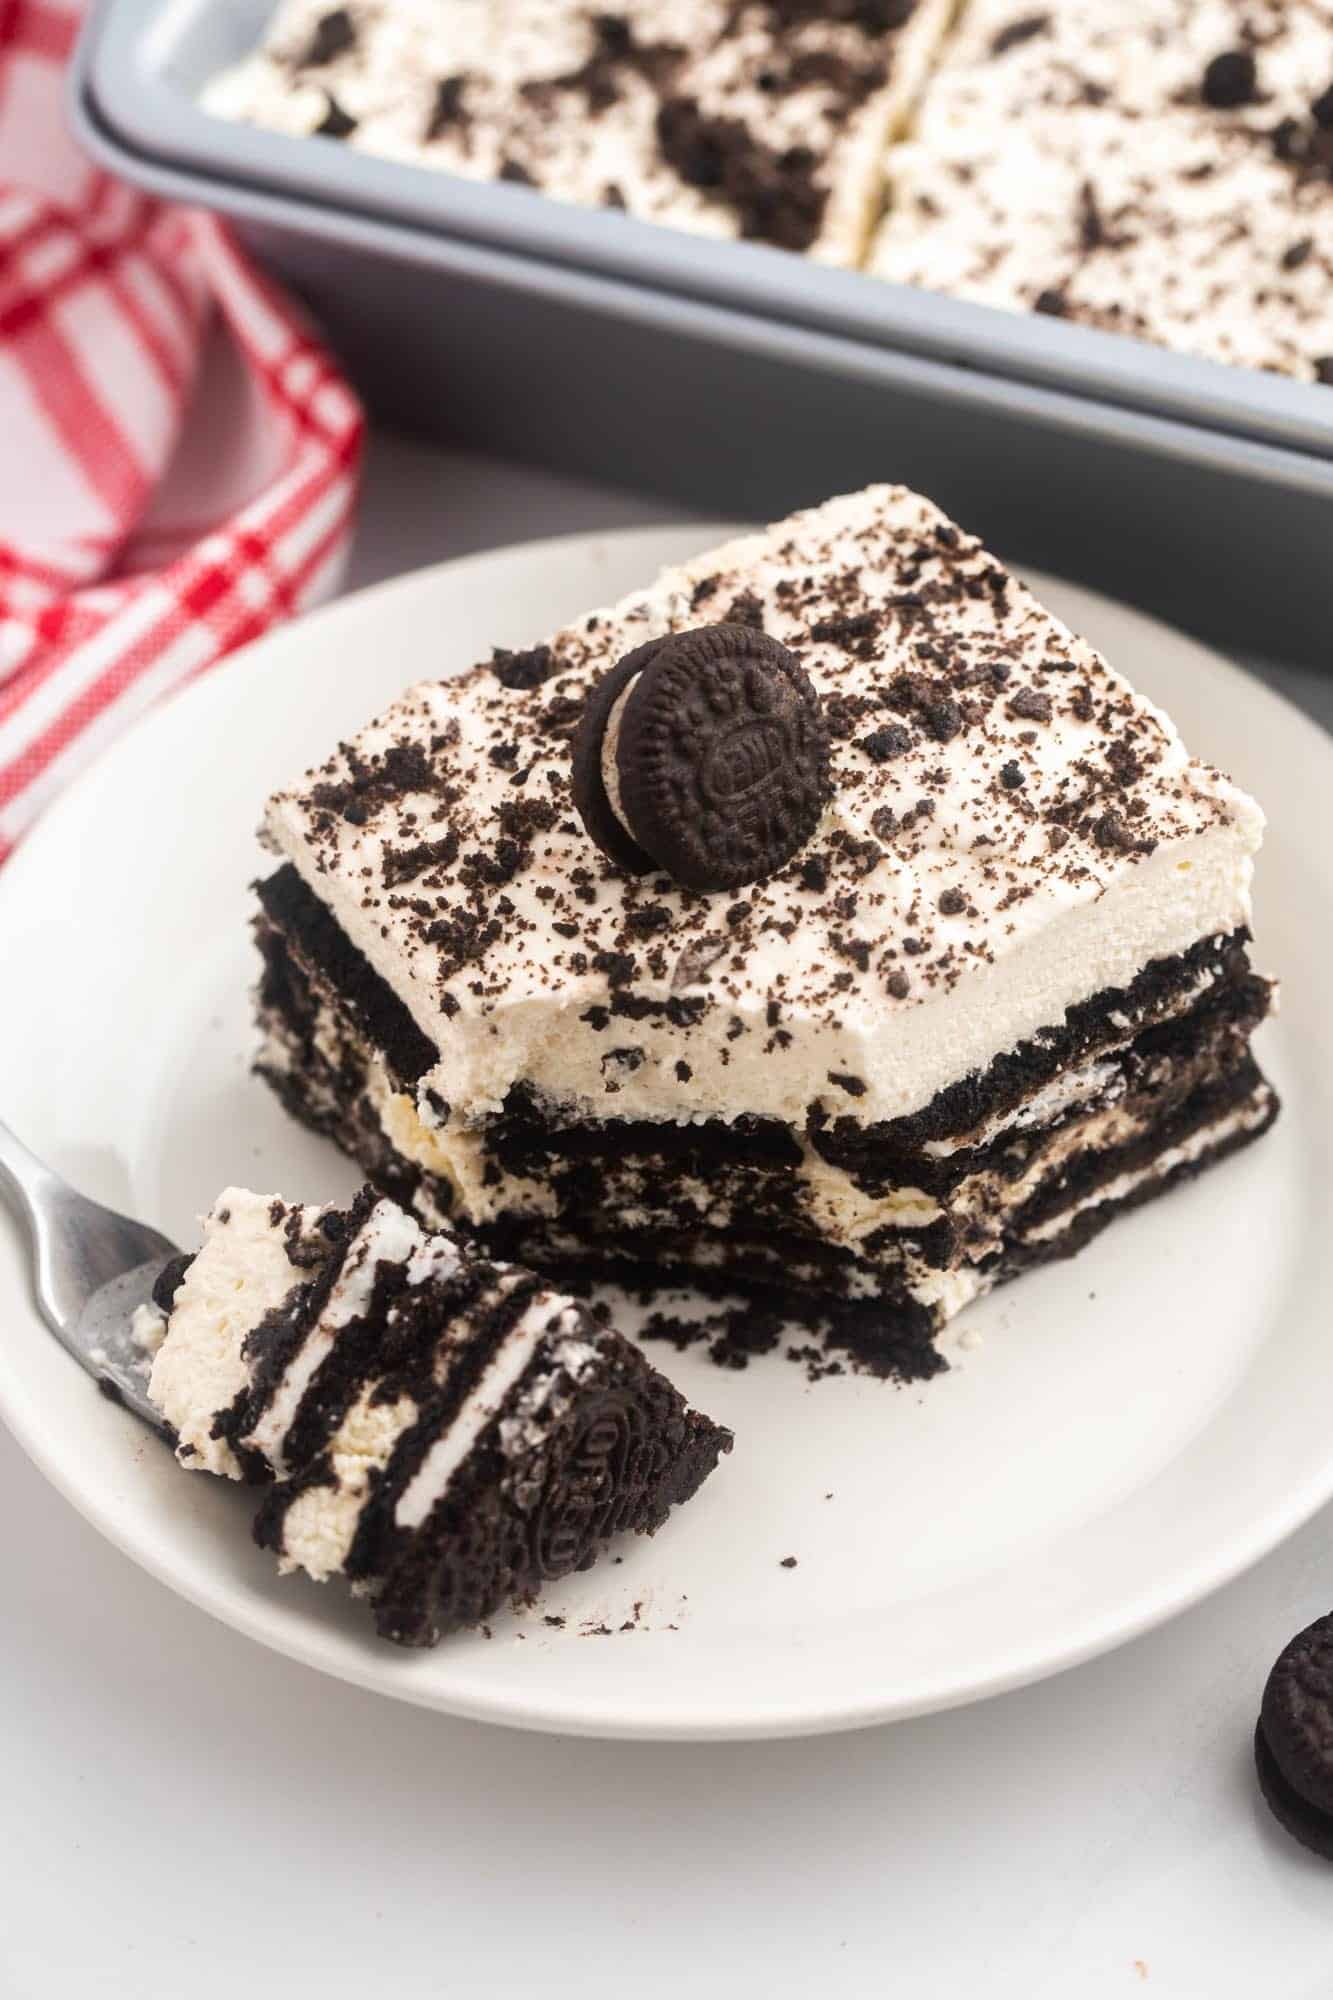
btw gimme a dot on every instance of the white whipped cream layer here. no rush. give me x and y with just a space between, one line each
1081 163
1041 926
241 1274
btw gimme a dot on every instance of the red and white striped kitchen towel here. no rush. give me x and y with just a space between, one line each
154 513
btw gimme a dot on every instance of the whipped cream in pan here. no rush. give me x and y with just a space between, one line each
760 119
1142 56
1011 830
1112 161
1155 167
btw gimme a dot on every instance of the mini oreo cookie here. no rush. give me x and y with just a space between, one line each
721 759
1293 1744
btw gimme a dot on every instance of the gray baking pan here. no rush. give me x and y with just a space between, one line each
735 376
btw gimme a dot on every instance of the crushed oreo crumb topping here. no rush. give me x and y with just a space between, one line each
993 760
1230 80
774 193
334 35
336 123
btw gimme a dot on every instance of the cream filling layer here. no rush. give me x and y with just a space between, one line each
388 1236
844 1213
1246 1118
508 1365
321 1524
611 754
849 1215
241 1274
945 1292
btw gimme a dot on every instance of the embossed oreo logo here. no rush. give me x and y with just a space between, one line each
582 1504
721 757
749 757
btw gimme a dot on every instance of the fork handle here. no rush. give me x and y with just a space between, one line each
77 1245
22 1175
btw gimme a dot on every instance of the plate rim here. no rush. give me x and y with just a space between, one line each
296 1637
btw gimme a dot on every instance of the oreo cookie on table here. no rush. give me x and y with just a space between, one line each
1293 1744
703 754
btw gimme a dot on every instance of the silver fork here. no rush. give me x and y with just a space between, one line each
92 1269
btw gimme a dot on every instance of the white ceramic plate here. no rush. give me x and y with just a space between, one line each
1116 1436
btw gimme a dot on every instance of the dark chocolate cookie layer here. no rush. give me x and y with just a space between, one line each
1296 1724
628 1453
1304 1822
598 1169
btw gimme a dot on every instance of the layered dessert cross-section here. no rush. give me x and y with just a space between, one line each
994 990
444 1432
765 119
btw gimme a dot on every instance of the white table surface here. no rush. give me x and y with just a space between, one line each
182 1812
